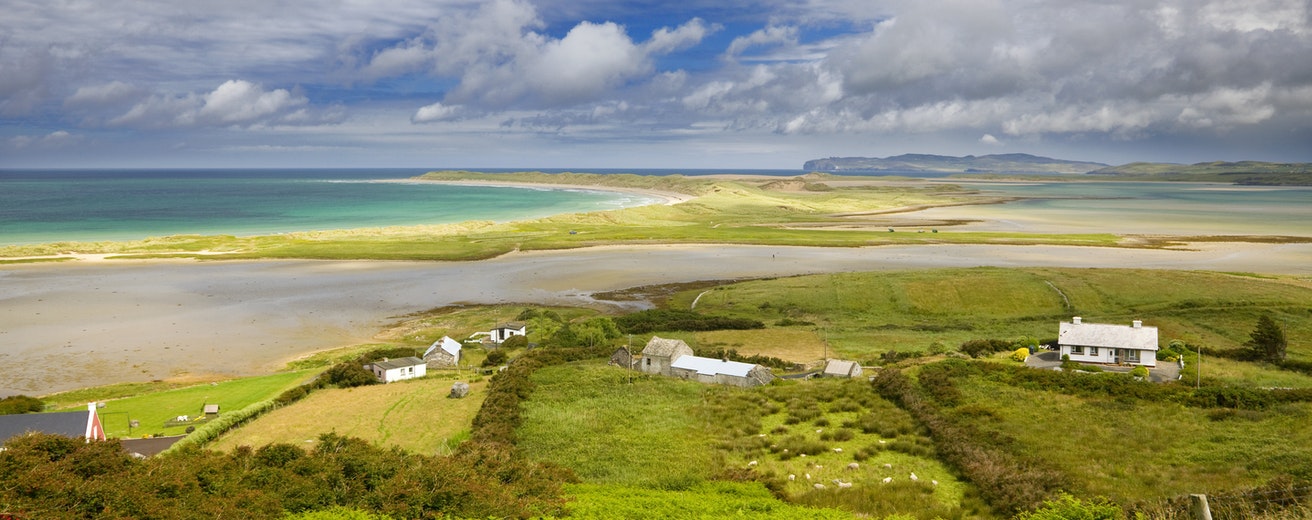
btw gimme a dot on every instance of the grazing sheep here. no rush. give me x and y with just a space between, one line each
934 482
802 455
818 431
792 477
838 450
808 476
882 441
887 480
888 466
818 466
914 477
819 485
844 485
853 466
751 464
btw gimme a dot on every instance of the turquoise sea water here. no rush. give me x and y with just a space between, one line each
89 205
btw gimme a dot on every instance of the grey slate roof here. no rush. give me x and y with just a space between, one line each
68 424
1106 335
709 366
512 325
662 347
390 364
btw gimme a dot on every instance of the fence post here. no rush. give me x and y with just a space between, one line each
1200 509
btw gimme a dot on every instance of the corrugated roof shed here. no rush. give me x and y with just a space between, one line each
708 366
389 364
838 367
662 347
1107 335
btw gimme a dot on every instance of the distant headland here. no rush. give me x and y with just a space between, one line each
1253 173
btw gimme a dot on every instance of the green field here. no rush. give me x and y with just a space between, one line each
153 409
862 315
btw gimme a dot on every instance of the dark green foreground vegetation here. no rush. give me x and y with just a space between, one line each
562 434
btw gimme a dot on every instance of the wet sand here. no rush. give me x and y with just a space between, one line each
72 325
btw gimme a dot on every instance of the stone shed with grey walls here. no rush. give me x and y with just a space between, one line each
660 353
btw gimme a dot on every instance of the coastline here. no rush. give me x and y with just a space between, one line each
669 198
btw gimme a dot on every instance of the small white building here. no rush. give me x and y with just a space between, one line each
504 331
840 368
660 353
389 370
444 352
1132 344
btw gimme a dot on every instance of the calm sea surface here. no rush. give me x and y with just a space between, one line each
88 205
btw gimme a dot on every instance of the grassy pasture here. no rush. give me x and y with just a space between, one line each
152 409
673 439
862 315
1142 451
414 415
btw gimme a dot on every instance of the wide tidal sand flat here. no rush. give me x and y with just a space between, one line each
65 326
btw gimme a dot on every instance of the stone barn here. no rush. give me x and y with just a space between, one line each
660 353
623 358
443 353
841 368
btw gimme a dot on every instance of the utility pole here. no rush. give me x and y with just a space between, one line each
1199 378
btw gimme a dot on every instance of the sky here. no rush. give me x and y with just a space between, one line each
648 83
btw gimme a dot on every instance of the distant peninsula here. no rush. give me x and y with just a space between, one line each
1247 173
927 163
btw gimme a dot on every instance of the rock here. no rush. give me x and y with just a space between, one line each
459 389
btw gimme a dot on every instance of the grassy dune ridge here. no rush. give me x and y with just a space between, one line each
802 211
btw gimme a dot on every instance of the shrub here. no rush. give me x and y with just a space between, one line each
496 357
983 347
347 375
1020 354
16 404
653 320
512 343
1140 372
1067 507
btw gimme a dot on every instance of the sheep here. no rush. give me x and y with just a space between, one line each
751 464
888 466
792 477
882 441
808 476
934 482
887 480
819 466
819 485
844 485
853 466
838 450
914 477
820 430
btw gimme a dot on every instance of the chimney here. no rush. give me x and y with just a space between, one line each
1137 323
1075 320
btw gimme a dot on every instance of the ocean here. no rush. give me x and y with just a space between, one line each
39 206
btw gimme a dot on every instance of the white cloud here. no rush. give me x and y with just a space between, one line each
433 113
989 140
110 93
238 103
772 35
665 40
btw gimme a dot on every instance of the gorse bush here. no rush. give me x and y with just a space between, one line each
16 404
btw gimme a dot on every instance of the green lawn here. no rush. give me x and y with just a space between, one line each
151 410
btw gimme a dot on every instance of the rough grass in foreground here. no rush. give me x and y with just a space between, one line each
701 500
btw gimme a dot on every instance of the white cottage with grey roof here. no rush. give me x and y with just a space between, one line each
389 370
1132 344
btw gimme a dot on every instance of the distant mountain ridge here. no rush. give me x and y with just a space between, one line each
996 163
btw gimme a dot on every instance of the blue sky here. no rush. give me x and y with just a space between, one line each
648 84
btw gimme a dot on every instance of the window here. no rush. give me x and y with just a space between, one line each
1132 355
1093 351
648 361
1077 350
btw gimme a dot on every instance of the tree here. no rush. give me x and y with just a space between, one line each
1267 341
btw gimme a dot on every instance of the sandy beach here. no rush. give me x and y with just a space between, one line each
668 197
79 324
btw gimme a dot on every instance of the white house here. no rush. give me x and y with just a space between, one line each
1132 344
444 352
389 370
504 331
